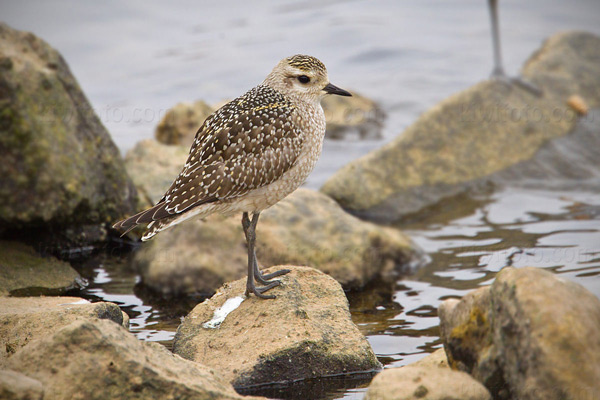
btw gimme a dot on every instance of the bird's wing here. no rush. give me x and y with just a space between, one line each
248 143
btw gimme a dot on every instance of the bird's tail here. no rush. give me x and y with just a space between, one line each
147 216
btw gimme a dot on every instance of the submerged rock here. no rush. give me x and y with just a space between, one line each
419 382
355 116
306 228
101 360
60 169
180 123
530 335
16 386
25 319
24 272
306 332
467 140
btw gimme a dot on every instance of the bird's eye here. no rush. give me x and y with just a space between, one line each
303 79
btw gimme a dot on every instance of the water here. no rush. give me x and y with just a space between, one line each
466 247
136 59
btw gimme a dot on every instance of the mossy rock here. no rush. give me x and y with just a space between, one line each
59 165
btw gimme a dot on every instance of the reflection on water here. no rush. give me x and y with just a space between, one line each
466 245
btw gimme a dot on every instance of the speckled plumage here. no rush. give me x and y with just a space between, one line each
250 153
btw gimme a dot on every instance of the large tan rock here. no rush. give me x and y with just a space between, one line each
418 382
59 165
101 360
25 319
180 123
466 140
16 386
530 335
355 116
24 272
306 332
306 228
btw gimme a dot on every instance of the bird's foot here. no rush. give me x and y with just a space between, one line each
518 81
258 291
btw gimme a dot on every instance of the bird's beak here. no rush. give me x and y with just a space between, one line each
332 89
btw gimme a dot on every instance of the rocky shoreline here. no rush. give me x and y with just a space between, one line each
522 337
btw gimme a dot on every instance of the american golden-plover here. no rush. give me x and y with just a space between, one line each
248 155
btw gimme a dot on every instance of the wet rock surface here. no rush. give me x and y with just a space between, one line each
25 319
530 335
306 228
306 332
101 360
24 272
460 144
419 382
16 386
60 168
352 117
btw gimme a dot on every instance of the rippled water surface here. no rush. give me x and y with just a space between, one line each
136 59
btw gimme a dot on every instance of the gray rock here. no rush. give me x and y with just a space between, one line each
60 168
464 142
530 335
101 360
306 332
16 386
355 116
24 272
421 382
25 319
306 228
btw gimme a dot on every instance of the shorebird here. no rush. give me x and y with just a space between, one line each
248 155
498 71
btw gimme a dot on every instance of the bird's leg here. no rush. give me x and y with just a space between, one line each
498 71
250 231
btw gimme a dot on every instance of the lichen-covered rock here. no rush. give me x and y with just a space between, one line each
355 116
16 386
24 272
306 332
306 228
101 360
418 382
467 139
530 335
180 123
153 167
59 166
24 319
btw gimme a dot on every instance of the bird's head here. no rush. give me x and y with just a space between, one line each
303 77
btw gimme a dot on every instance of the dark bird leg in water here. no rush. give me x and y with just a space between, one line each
498 71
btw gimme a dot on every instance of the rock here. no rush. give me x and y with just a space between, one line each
24 319
436 359
153 167
60 169
306 332
16 386
101 360
180 123
306 228
24 272
530 335
355 116
465 141
414 382
578 104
